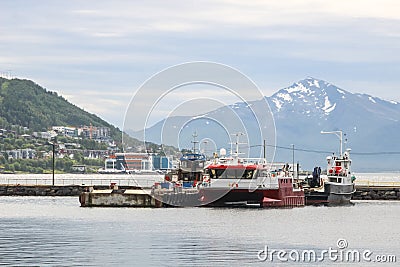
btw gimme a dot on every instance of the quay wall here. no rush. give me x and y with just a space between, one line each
362 192
49 190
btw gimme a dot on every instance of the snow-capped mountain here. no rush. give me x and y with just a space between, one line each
304 109
307 107
311 97
316 98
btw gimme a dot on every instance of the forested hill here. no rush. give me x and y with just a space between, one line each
24 103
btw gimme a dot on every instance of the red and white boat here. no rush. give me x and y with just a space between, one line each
339 186
238 181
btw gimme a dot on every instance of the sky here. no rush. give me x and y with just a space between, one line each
98 53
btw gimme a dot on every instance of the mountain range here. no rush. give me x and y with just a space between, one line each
301 111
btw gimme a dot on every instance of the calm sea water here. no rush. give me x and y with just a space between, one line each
55 231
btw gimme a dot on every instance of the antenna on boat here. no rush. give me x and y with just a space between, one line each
236 153
265 149
194 142
338 134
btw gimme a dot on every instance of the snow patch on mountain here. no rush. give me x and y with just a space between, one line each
328 107
372 99
313 82
298 87
198 117
278 104
285 97
340 91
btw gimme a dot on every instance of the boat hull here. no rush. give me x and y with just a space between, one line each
339 194
215 197
333 195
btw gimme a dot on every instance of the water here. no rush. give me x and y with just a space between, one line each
55 231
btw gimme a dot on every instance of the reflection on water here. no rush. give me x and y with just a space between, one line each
56 231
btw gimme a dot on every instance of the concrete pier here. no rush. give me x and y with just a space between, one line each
130 196
49 190
118 198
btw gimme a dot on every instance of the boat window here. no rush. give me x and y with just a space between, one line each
336 180
231 174
250 174
216 173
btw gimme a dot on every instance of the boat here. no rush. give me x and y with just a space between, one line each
249 182
190 170
339 186
227 182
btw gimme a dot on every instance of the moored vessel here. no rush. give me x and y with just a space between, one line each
249 184
339 186
229 181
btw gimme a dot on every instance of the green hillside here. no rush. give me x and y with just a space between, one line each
24 103
26 107
27 104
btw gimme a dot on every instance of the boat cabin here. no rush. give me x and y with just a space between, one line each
339 168
190 170
218 171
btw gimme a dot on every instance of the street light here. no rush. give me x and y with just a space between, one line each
54 152
338 134
293 160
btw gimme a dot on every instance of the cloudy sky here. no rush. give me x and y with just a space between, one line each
98 53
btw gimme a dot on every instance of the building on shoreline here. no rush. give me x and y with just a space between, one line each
98 133
136 162
21 153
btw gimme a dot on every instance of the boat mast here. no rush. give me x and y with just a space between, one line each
194 142
235 154
265 150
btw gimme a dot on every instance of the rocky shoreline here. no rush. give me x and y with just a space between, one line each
376 193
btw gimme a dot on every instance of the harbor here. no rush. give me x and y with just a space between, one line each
379 186
222 181
234 181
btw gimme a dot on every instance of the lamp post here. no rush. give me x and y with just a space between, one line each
293 160
338 134
53 160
